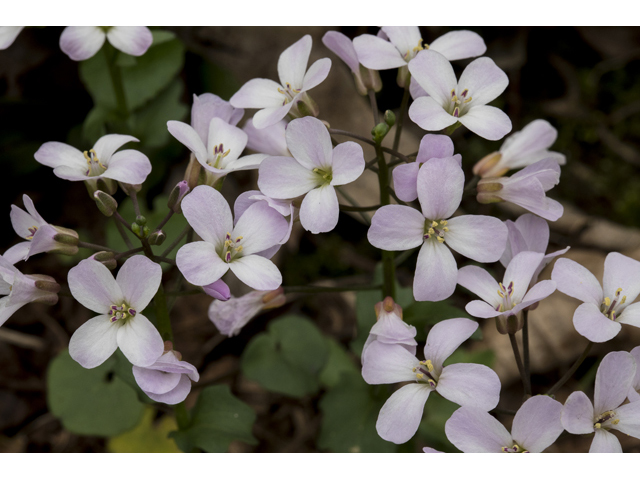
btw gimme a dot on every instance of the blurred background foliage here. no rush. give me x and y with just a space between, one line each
291 380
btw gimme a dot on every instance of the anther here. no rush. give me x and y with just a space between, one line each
440 239
434 224
607 301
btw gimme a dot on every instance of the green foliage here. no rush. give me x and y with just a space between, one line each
147 437
349 414
91 402
217 419
289 358
339 363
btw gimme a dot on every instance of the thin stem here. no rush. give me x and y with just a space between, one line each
128 253
123 234
165 220
403 112
165 260
312 289
571 371
374 106
516 353
98 248
176 241
525 348
116 80
118 217
351 200
350 208
395 197
391 151
162 315
136 205
388 265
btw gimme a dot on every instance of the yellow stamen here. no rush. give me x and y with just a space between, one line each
624 299
86 156
429 365
607 301
618 291
434 224
440 239
239 238
420 376
431 231
597 425
500 293
446 229
443 222
239 249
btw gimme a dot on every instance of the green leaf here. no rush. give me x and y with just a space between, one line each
340 362
91 402
431 430
217 419
483 357
349 415
288 358
147 437
424 314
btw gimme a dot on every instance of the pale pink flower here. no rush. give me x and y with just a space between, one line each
81 43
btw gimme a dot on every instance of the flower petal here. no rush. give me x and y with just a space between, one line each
520 271
435 74
470 384
186 135
629 416
81 43
591 323
258 93
436 273
309 142
577 414
484 80
319 211
405 39
405 181
140 341
285 177
473 430
480 309
613 380
440 186
478 237
396 227
376 53
605 442
622 272
316 74
458 45
256 272
429 115
93 285
209 214
347 163
434 146
537 423
445 337
271 115
539 291
629 316
8 35
155 381
576 281
139 279
128 166
107 145
388 363
292 63
19 251
488 122
56 154
480 282
260 227
131 40
174 396
200 263
342 46
230 137
400 416
94 342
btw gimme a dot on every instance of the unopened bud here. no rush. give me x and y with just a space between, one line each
388 305
485 166
46 283
105 258
105 203
404 77
192 173
136 229
367 79
176 196
274 299
157 238
390 118
218 290
141 220
145 231
379 132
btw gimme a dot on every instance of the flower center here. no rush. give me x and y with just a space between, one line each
505 294
325 175
435 229
515 449
605 417
414 51
231 248
289 92
218 155
95 166
121 312
608 307
32 231
425 373
458 106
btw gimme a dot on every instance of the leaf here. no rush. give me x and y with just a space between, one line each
217 419
340 362
349 415
431 430
424 314
91 402
288 358
147 437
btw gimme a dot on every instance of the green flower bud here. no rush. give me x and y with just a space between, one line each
157 238
390 118
105 203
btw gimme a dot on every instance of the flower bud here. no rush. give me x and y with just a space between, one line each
176 196
157 238
487 189
379 132
141 220
66 241
484 167
390 118
105 202
192 173
46 284
509 325
218 290
105 258
136 229
367 79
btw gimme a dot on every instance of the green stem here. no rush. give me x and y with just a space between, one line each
392 151
402 257
175 243
165 220
162 315
352 201
127 253
449 130
98 248
118 219
311 289
374 106
388 265
525 349
403 112
136 205
116 80
516 354
571 371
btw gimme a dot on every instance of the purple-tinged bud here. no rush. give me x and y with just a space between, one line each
105 258
176 196
218 290
141 220
486 164
388 305
105 203
157 238
192 173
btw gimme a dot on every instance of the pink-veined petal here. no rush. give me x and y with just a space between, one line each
388 363
132 40
209 214
342 46
435 74
309 142
470 384
592 324
347 163
258 93
613 379
200 263
405 181
429 115
260 227
140 341
440 186
605 442
444 339
94 342
576 281
139 279
473 430
480 309
319 211
622 272
271 115
81 43
376 53
629 316
257 272
186 135
292 63
577 414
93 285
484 80
56 154
316 74
396 227
488 122
519 273
458 45
128 166
629 416
400 416
537 423
107 145
174 396
155 381
436 273
285 177
480 282
478 237
434 146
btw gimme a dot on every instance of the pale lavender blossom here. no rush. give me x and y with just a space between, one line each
521 149
398 227
17 289
526 188
168 379
462 383
40 236
276 100
613 381
463 100
270 140
81 43
231 316
315 169
536 426
208 106
102 161
504 301
390 328
604 308
405 176
119 302
227 246
431 450
8 35
634 391
218 290
220 154
529 233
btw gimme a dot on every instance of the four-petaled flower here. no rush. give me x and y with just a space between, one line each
81 43
119 302
398 227
604 308
390 328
